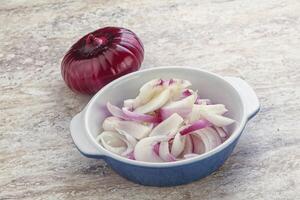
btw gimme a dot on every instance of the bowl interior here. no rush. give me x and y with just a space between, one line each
208 85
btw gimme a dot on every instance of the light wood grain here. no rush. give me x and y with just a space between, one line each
256 40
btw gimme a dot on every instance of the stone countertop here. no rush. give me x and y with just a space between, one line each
256 40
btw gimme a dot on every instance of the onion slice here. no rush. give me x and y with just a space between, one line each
217 120
209 137
116 111
130 141
140 117
144 149
198 144
155 103
188 147
218 109
137 130
147 91
186 93
199 111
113 142
168 127
153 88
182 107
164 152
213 138
178 145
200 124
195 114
222 133
126 114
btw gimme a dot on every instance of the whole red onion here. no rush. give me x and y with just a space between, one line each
100 57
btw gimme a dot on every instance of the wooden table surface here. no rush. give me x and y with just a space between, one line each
256 40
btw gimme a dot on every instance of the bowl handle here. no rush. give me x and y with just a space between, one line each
247 94
81 140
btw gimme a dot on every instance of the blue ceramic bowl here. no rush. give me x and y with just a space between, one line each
235 93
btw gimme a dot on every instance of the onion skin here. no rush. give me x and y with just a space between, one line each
100 57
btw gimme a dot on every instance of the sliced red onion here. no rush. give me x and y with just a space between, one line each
131 156
116 111
212 113
150 127
129 104
198 144
213 137
155 103
112 141
168 127
167 112
144 149
147 91
140 117
164 152
200 124
129 140
215 119
156 148
183 83
137 130
218 109
222 133
171 81
182 107
209 137
188 147
178 144
160 82
197 111
126 114
186 93
177 86
153 88
195 114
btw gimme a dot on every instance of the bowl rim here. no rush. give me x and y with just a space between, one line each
235 135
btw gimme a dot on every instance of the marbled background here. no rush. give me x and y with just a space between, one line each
256 40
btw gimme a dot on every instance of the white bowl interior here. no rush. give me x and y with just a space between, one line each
208 85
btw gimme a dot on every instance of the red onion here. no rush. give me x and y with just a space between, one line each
126 114
100 57
200 124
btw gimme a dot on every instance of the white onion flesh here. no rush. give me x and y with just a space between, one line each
178 145
113 142
147 91
182 107
135 129
188 146
144 149
155 103
198 144
165 153
217 120
130 142
169 126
